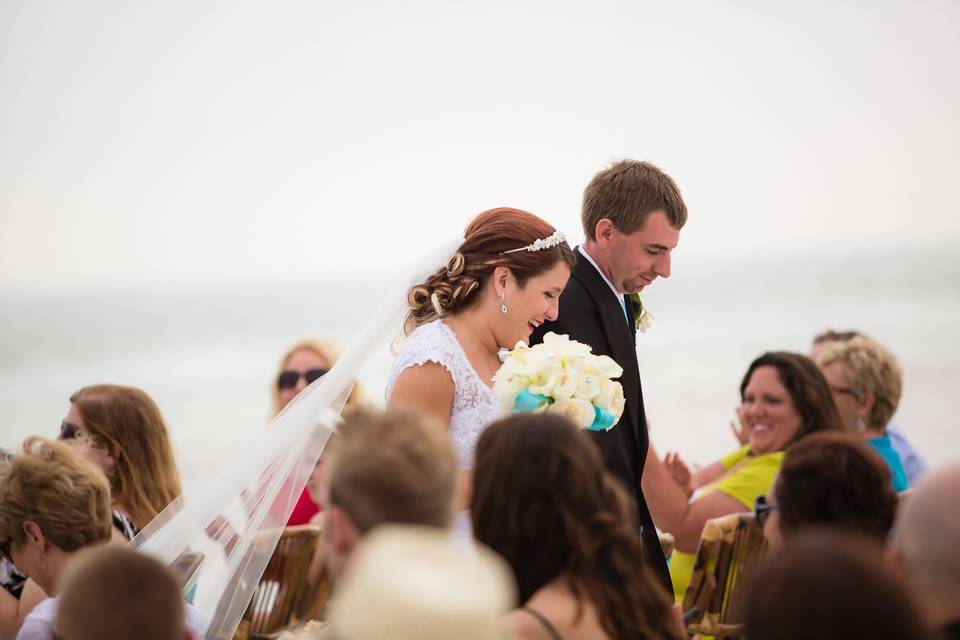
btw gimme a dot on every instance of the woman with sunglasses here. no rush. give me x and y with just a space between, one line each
128 440
302 364
784 398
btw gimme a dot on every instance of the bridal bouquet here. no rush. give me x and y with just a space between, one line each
563 376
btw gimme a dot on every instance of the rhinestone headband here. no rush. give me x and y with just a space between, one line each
543 243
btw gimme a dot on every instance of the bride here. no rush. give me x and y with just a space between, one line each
504 280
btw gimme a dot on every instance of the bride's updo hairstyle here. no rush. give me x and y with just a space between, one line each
487 241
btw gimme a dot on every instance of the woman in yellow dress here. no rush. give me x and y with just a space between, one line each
784 398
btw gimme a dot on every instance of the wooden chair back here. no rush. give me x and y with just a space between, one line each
291 590
731 548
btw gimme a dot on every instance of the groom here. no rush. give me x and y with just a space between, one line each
632 216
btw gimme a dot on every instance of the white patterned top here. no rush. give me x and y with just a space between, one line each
474 403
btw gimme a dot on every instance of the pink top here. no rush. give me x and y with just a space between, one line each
304 510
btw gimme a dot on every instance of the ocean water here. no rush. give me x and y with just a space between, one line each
208 356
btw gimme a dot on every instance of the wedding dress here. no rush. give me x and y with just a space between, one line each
474 404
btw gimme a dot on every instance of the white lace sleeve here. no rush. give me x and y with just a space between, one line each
425 344
474 404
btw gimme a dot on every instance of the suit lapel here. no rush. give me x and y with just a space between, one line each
618 332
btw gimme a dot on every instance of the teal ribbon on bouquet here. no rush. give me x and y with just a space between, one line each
527 401
602 419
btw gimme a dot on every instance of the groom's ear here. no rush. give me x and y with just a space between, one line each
603 231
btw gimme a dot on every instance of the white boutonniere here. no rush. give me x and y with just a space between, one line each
644 318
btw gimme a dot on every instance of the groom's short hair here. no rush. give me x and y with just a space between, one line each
395 466
626 193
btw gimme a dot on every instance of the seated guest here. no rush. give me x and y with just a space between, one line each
302 364
913 463
411 583
831 586
387 467
866 382
784 399
53 503
129 441
116 593
543 500
829 480
925 540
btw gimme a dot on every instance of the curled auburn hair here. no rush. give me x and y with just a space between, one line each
544 501
486 239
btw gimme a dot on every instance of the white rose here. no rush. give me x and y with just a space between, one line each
611 398
566 386
506 388
588 388
580 412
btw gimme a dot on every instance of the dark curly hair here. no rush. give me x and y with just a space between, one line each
807 388
836 480
543 500
486 239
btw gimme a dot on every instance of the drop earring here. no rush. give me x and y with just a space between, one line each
503 306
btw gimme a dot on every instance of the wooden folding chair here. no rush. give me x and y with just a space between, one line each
731 548
287 594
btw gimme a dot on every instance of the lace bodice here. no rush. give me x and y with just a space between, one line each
474 403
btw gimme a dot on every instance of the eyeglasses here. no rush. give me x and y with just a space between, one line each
840 391
289 379
762 510
68 431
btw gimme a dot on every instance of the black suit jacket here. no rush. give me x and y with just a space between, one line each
590 313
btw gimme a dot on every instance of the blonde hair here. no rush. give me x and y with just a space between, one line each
53 485
393 466
871 369
128 423
326 349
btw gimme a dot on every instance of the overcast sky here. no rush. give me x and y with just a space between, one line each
180 142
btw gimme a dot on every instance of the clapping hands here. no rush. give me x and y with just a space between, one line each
680 472
739 426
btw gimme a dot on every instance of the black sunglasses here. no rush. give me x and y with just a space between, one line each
68 431
762 510
289 379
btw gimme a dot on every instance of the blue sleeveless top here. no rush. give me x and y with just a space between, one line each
884 447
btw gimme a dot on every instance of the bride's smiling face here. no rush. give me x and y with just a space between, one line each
529 306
